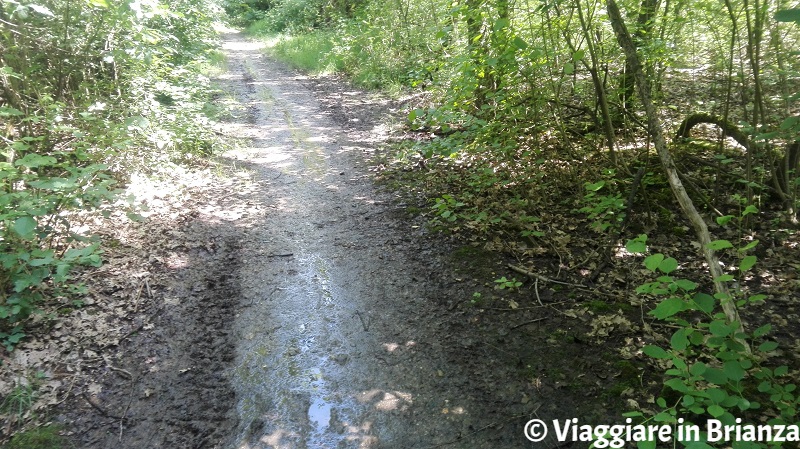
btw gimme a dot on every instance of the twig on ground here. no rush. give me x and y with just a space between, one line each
536 290
541 277
127 407
528 322
363 324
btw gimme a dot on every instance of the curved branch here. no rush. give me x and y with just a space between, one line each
728 129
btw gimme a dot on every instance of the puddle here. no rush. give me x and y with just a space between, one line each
319 414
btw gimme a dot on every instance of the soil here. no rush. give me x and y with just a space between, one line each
279 299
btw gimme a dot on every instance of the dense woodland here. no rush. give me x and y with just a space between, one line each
602 143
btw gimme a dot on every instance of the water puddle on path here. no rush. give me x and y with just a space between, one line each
289 373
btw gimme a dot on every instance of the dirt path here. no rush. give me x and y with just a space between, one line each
300 307
341 324
333 351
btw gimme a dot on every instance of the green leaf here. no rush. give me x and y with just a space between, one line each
717 395
719 328
656 352
668 308
594 187
761 331
698 369
733 369
715 376
747 263
719 244
578 55
722 221
33 160
519 43
98 3
53 184
6 111
749 246
781 370
501 24
636 247
789 123
715 410
698 445
668 265
569 68
646 444
652 262
744 404
788 15
749 210
725 278
705 301
25 227
768 346
686 285
679 341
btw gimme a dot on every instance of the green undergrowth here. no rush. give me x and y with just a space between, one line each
312 52
128 91
45 437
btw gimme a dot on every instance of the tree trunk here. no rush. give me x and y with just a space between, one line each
657 134
644 29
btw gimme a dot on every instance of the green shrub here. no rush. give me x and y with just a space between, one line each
312 52
712 373
122 92
46 437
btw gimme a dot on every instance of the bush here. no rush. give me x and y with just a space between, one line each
124 90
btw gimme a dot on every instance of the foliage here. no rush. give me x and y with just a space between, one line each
88 91
290 15
46 437
310 52
710 373
605 209
504 283
19 401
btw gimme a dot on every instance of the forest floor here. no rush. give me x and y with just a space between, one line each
278 298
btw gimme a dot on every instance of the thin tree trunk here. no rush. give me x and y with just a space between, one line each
599 88
656 132
644 28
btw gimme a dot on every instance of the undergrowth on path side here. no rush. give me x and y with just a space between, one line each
92 95
125 92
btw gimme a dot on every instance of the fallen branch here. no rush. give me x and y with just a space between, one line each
528 322
540 277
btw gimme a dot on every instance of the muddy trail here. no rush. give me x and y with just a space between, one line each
320 314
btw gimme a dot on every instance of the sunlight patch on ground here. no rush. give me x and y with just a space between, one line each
244 46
